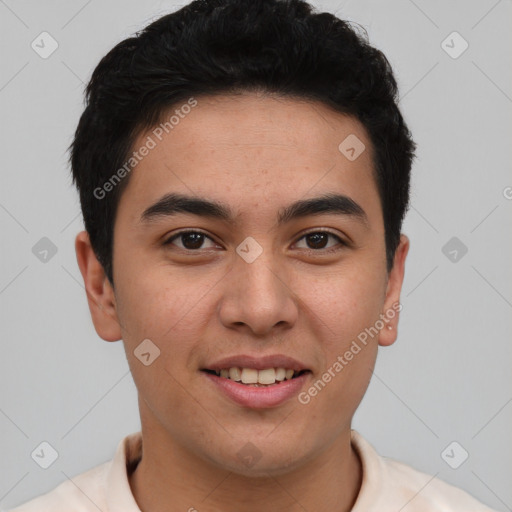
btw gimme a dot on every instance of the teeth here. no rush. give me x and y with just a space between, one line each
280 374
265 377
235 374
249 376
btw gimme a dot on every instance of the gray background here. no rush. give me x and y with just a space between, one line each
448 376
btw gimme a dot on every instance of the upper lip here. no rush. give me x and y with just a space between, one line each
258 363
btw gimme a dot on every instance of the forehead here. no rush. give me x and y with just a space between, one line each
253 149
250 120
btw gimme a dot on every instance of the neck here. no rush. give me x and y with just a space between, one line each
170 478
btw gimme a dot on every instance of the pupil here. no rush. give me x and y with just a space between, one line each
317 242
196 238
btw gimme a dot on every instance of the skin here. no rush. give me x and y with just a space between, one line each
256 153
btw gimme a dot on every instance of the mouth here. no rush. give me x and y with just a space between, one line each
257 378
257 382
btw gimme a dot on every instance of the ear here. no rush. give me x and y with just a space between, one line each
392 305
100 294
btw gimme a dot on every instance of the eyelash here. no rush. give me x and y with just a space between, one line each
329 250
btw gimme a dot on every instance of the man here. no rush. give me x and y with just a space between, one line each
243 171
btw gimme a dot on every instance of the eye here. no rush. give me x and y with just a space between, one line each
315 240
318 240
190 240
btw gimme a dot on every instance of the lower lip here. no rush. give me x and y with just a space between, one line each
259 397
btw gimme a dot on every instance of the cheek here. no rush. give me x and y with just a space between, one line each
170 310
344 303
156 298
343 306
150 309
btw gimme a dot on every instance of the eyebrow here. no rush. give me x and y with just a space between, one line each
174 203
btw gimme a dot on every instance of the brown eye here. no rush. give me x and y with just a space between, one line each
190 240
318 240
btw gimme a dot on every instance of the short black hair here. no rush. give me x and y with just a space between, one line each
212 47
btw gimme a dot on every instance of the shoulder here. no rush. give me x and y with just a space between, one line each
82 493
428 492
390 485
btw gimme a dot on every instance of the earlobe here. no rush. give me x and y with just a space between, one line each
100 294
392 306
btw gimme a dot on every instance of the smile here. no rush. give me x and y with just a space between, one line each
255 395
256 378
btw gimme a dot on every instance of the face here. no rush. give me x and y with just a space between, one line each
250 282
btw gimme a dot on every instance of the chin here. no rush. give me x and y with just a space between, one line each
250 461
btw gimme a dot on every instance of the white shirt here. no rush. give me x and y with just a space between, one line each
387 486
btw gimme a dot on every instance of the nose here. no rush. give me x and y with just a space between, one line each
258 297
